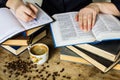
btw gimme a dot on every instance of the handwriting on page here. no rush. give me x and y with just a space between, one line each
41 19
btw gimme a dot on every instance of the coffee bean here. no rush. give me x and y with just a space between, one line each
79 75
48 75
64 76
46 72
4 70
48 66
58 63
68 77
62 70
9 76
37 70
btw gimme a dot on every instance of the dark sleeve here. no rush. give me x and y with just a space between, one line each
116 3
2 3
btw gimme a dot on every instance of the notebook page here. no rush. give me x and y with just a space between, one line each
42 18
9 26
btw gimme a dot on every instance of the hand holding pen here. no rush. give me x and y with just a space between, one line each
24 11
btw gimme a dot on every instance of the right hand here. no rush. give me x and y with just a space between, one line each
87 17
26 12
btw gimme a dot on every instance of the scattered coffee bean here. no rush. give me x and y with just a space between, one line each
48 66
62 70
48 75
58 63
9 76
79 75
37 70
4 70
46 72
64 76
68 77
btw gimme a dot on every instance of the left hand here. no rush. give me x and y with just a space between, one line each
87 17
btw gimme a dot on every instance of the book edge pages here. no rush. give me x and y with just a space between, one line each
98 51
86 57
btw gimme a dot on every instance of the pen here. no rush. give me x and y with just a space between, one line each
35 19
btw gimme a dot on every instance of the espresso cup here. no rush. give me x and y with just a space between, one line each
39 53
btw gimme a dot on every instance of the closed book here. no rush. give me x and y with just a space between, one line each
16 50
106 49
101 63
22 39
67 54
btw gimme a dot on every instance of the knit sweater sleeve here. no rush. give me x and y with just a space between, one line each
3 3
116 3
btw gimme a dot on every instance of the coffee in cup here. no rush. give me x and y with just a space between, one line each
38 53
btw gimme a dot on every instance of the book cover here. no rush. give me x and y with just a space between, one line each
106 49
101 63
66 31
68 55
15 50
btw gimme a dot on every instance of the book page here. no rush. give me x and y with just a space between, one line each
106 27
67 32
42 19
9 25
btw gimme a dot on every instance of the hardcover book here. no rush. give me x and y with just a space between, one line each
101 63
67 54
106 49
66 31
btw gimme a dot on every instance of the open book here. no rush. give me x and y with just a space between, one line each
10 25
66 30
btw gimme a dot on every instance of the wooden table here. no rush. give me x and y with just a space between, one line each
20 67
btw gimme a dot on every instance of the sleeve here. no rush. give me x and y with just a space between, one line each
116 3
3 3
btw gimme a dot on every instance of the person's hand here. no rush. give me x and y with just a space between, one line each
87 17
26 12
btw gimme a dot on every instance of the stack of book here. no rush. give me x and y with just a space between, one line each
19 43
16 35
104 55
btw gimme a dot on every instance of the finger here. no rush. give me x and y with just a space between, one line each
23 16
77 17
94 19
29 12
80 20
90 16
85 23
33 8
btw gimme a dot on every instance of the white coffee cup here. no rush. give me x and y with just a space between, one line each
39 53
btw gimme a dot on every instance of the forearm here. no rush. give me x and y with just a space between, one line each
13 4
108 8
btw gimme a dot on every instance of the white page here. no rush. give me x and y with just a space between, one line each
106 27
67 32
9 26
42 18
